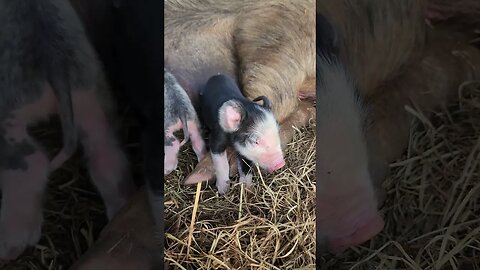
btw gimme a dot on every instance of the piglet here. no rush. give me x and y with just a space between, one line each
250 128
179 114
47 68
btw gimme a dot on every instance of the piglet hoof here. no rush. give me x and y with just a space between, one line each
13 242
168 168
170 164
247 181
223 186
171 153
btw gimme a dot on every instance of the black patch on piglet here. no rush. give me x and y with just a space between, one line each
218 90
13 155
169 141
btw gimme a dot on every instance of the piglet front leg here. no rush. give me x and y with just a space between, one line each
218 147
196 137
205 171
23 179
220 163
172 147
244 170
172 144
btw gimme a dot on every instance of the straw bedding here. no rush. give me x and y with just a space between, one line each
271 226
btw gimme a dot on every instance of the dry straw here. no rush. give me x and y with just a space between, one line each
270 226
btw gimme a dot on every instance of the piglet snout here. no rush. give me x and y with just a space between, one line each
277 165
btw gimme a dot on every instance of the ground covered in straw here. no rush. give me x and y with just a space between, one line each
271 226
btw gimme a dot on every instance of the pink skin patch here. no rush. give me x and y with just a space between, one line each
229 116
233 118
270 159
171 153
277 165
262 143
198 143
271 162
220 163
362 234
347 216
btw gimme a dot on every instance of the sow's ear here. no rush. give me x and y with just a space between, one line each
231 114
266 102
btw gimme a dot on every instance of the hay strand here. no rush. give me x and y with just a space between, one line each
194 214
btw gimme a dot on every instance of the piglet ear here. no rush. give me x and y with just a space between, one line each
266 102
231 114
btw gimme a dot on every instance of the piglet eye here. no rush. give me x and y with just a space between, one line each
256 142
